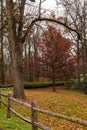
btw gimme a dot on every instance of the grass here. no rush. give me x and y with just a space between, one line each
70 103
13 123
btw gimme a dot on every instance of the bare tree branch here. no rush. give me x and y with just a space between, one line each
50 20
3 26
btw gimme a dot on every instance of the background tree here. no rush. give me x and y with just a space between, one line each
56 61
75 12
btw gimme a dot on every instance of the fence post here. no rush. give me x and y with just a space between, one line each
34 115
0 97
8 107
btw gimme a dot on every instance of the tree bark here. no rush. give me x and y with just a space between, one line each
53 79
16 52
78 63
1 40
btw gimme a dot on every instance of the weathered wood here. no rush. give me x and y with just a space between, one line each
8 108
20 102
71 119
1 128
3 95
5 104
20 116
34 110
29 121
41 126
8 88
33 116
0 98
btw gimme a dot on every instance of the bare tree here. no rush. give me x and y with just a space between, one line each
76 15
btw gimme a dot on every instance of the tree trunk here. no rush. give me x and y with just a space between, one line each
35 66
18 74
53 79
16 52
78 63
1 40
17 70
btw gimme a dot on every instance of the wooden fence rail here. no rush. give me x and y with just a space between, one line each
33 121
6 88
34 110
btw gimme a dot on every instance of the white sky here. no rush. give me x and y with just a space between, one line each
49 4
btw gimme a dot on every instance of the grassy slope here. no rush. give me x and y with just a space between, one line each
71 103
12 123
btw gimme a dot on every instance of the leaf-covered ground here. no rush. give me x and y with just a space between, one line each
70 103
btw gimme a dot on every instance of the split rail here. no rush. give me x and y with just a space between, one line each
34 113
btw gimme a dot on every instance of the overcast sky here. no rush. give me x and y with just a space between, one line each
49 4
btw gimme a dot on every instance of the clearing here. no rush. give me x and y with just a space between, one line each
70 103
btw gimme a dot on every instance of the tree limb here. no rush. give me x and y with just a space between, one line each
50 20
2 27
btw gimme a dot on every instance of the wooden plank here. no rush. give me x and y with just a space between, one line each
20 116
71 119
8 107
20 102
1 128
34 116
0 98
3 95
42 126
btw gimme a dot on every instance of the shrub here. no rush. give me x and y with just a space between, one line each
28 85
84 86
68 84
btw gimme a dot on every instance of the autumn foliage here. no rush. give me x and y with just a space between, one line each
55 59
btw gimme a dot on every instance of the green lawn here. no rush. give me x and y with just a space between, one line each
13 123
70 103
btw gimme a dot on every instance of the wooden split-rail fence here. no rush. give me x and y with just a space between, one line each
34 110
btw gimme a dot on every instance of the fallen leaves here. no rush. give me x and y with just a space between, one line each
71 103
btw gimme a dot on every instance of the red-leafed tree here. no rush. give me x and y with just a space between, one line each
55 56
